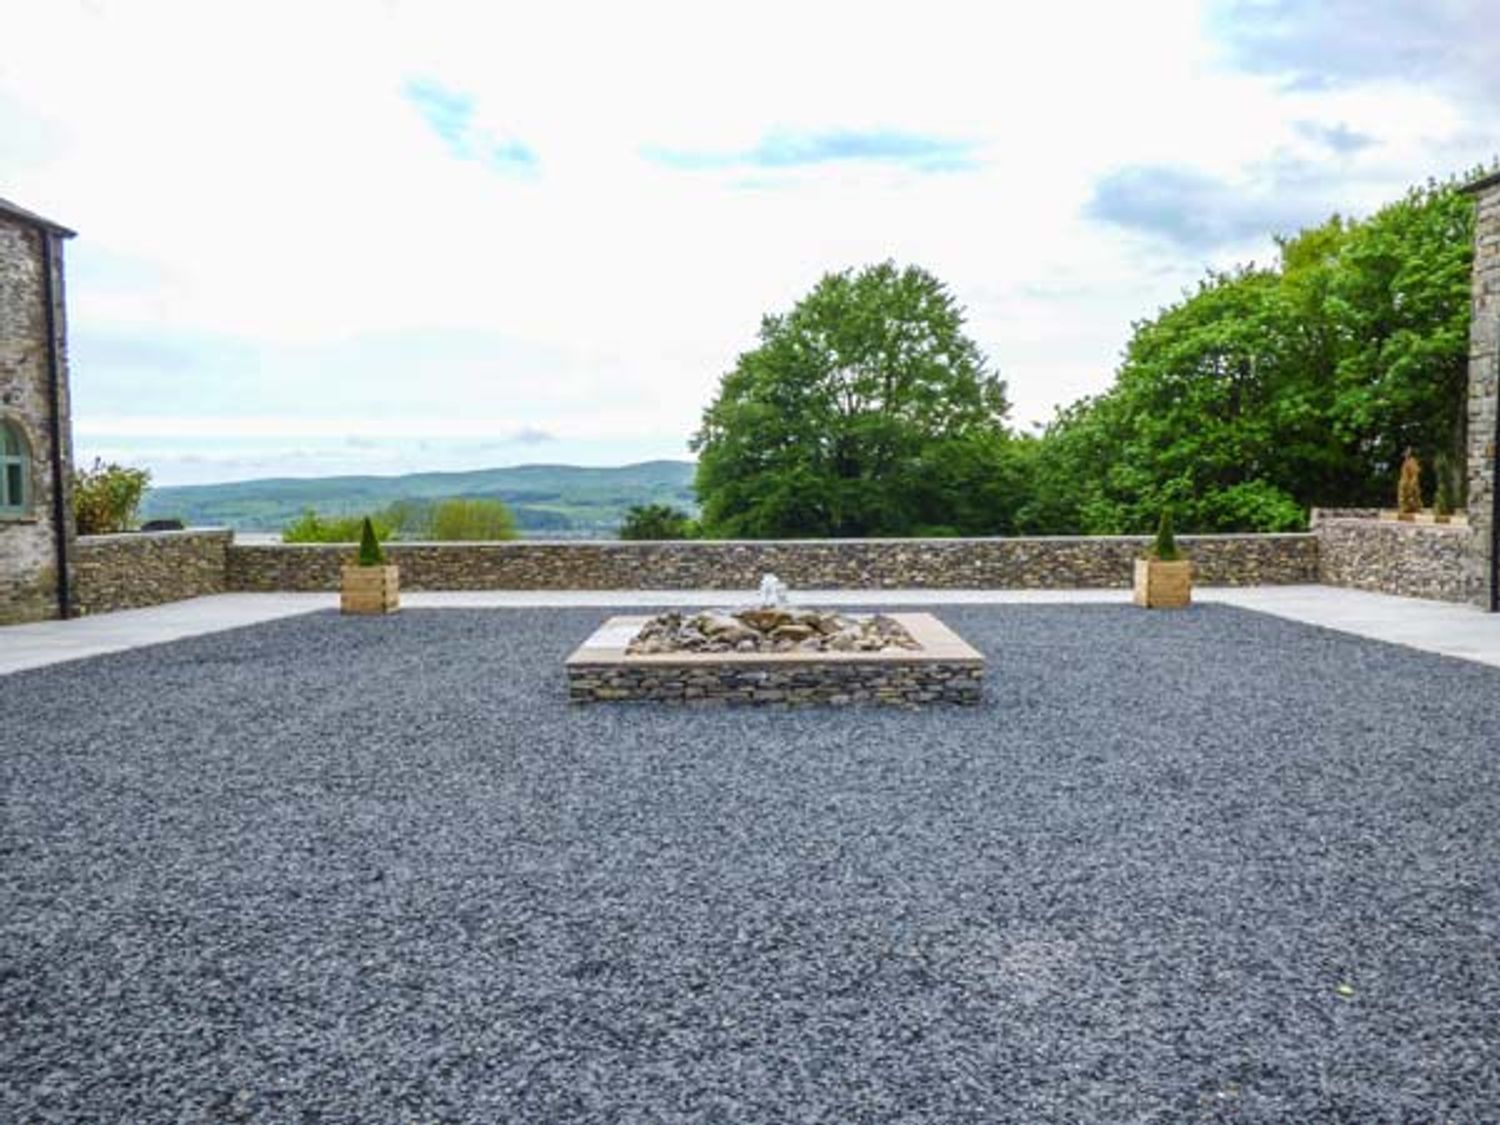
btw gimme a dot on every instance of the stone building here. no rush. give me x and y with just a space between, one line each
36 455
1484 396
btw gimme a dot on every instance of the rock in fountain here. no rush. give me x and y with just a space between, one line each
773 626
769 628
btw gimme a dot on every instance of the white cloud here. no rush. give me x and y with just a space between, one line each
262 204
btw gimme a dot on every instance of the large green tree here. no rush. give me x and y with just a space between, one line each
1269 391
865 410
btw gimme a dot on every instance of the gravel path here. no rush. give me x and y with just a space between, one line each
1198 866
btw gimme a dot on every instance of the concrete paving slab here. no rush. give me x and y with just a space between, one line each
52 642
1460 631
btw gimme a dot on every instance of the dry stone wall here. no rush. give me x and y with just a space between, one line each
1057 563
1346 548
895 683
129 571
1357 550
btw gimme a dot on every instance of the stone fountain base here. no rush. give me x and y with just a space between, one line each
929 664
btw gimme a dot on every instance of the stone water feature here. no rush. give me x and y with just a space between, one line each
770 629
775 652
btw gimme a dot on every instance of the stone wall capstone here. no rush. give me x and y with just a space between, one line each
1359 551
1042 563
141 569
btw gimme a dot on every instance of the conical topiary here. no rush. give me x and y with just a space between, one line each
1409 489
1165 549
370 553
1445 494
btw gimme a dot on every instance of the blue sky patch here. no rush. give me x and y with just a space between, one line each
451 115
799 150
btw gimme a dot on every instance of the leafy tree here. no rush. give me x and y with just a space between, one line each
107 497
972 485
407 518
481 518
1269 391
1188 424
834 423
656 521
1399 303
455 518
310 527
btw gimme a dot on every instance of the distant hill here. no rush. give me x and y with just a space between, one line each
560 500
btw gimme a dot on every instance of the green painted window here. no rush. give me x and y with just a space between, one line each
15 470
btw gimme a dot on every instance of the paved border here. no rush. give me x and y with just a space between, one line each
1438 627
53 642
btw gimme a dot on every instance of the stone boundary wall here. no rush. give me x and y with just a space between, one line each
1414 560
1043 563
149 568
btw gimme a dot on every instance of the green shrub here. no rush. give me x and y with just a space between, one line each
1165 548
370 553
407 519
106 497
657 521
472 519
310 527
1446 498
1252 505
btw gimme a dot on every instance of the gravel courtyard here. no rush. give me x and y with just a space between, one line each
1207 865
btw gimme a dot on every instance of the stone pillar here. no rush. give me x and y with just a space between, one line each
1484 386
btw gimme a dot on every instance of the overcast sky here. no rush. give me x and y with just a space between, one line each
323 237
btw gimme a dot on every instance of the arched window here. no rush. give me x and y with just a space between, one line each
15 470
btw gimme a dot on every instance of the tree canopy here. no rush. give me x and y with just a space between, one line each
656 521
865 410
1268 391
1265 391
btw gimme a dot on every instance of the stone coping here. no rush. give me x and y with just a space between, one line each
691 544
140 536
1386 522
940 645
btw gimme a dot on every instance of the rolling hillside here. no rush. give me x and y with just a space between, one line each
561 500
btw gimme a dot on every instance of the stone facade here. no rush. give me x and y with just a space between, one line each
130 571
898 684
1358 550
36 546
1484 389
1056 563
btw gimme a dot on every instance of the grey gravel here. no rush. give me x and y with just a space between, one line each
1196 866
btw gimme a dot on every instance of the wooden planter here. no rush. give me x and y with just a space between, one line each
370 589
1163 585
